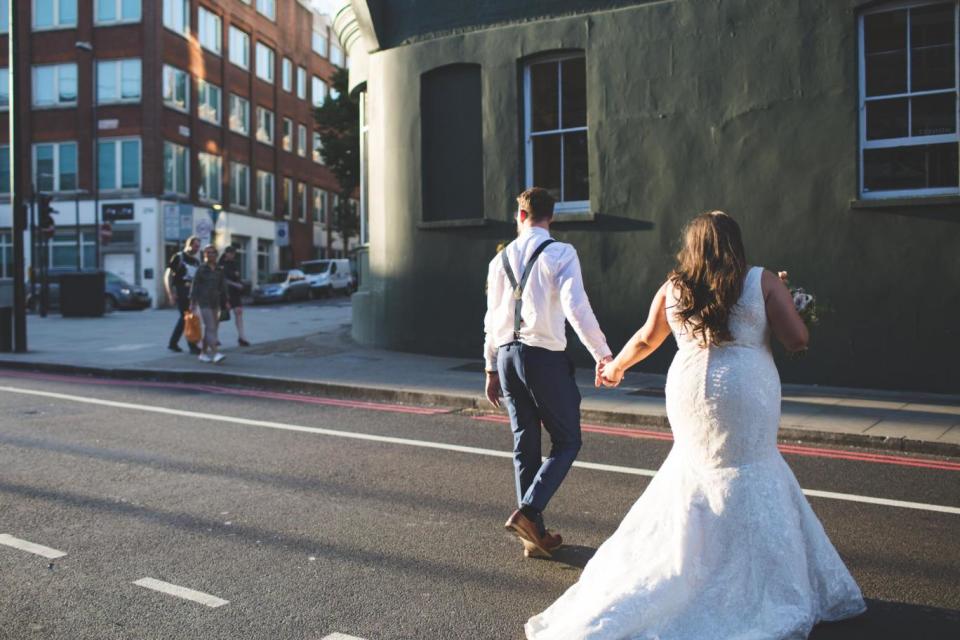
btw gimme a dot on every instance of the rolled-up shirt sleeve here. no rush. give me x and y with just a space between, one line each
576 306
494 299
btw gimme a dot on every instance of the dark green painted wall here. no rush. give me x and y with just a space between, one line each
745 106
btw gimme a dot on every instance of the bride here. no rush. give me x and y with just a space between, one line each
722 544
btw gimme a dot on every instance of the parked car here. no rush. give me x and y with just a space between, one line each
329 276
283 286
118 293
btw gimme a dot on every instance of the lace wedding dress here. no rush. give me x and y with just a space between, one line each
722 545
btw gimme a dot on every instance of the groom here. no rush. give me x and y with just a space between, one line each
533 285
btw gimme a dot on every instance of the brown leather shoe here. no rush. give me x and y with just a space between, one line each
551 541
526 529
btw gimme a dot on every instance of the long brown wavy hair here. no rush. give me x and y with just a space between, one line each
709 275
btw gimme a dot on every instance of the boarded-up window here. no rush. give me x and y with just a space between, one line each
452 143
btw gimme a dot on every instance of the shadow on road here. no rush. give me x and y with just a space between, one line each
893 620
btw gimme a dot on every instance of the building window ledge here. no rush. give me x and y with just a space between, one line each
453 224
573 216
902 203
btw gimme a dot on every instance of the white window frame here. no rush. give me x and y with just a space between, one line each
57 103
243 102
204 105
314 83
56 16
561 206
56 164
206 182
336 54
118 79
317 152
302 83
173 73
267 8
265 178
302 194
118 163
184 153
242 38
236 185
319 33
271 129
321 217
170 14
270 66
100 22
286 137
909 141
302 140
286 74
207 20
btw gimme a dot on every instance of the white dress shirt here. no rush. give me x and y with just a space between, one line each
553 292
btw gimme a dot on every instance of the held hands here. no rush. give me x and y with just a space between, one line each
608 373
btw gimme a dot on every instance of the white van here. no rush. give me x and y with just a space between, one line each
327 277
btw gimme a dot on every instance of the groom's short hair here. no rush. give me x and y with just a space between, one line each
538 202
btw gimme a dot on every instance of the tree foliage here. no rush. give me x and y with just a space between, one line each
338 119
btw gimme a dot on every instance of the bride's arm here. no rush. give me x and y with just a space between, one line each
786 323
644 342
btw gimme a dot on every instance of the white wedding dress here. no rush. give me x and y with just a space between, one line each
722 545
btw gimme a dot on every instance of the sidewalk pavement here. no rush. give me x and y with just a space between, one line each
307 348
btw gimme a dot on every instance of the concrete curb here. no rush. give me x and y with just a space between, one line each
474 403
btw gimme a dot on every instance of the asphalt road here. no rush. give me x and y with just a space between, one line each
307 533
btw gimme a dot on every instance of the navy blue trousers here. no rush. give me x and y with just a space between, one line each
539 388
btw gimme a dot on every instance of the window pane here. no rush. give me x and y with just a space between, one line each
68 82
106 81
44 85
576 179
68 167
885 45
887 118
544 97
934 115
574 93
169 168
130 79
63 256
130 9
106 10
931 47
68 12
107 165
546 164
4 169
43 13
44 168
130 169
920 167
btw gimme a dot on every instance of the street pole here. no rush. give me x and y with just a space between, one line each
95 166
17 93
76 210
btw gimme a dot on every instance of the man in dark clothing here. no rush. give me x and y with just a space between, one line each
176 280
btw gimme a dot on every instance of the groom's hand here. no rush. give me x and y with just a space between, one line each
598 373
493 388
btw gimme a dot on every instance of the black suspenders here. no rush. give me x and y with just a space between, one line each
518 288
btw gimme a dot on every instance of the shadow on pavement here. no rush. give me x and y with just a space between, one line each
891 620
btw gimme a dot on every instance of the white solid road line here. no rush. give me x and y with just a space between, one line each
340 636
181 592
266 424
23 545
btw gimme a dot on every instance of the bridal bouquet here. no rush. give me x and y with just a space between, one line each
805 303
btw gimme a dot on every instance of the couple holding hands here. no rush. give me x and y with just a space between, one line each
722 543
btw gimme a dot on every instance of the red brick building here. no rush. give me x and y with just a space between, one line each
189 116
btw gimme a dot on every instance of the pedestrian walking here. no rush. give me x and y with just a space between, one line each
234 279
533 287
208 295
177 279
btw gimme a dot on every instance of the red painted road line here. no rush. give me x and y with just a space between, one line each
272 395
428 411
784 448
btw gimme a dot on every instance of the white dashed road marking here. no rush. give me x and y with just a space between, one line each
426 444
181 592
340 636
23 545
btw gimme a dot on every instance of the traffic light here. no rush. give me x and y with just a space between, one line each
45 219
